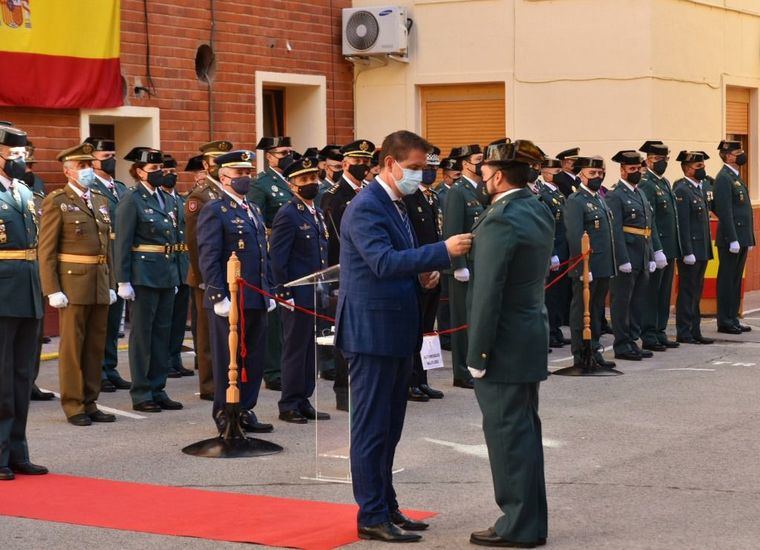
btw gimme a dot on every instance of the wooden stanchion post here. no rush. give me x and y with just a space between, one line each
585 247
233 274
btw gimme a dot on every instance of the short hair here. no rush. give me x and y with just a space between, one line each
133 170
399 144
517 174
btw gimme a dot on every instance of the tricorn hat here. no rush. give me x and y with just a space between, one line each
505 151
692 156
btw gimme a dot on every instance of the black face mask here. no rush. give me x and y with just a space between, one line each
170 180
532 175
337 175
741 160
108 166
241 185
428 176
28 179
322 174
15 168
659 167
700 174
633 178
358 171
309 191
156 178
595 184
284 162
479 170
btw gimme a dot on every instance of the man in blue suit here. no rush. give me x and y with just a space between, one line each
378 326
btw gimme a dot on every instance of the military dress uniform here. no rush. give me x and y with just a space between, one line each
328 152
297 247
567 182
694 225
146 258
176 207
735 225
20 309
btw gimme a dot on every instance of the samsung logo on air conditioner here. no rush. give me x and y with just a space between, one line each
385 12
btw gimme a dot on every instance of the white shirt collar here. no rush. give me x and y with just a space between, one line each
473 183
153 192
583 186
549 184
6 182
630 187
81 194
503 194
391 193
233 197
695 183
735 171
108 183
352 184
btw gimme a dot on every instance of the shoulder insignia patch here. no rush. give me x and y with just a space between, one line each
192 205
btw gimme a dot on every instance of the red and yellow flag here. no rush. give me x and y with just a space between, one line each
60 53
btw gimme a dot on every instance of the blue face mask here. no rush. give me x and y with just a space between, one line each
428 176
410 181
86 177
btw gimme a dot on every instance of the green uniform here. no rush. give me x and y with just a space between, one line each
656 306
270 192
588 212
631 216
509 338
182 297
694 224
463 206
735 224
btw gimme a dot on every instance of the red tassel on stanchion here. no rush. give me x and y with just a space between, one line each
243 375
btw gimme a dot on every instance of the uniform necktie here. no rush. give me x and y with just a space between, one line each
87 201
160 199
405 218
248 211
112 187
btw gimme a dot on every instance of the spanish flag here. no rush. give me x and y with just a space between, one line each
60 54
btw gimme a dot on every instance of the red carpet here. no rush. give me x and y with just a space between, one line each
182 512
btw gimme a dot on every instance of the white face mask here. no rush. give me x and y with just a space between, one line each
86 177
409 182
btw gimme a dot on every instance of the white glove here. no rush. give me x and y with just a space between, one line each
202 286
288 304
111 296
176 289
733 248
590 277
660 259
462 274
126 291
222 308
477 373
554 263
689 259
652 266
626 267
271 306
58 300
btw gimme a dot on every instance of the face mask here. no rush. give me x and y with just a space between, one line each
409 182
700 174
337 175
284 162
532 175
86 177
358 171
428 176
479 169
155 178
170 180
309 191
634 178
15 168
28 179
659 167
108 166
741 160
322 174
594 184
241 185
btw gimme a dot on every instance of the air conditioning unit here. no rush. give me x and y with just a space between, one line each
374 31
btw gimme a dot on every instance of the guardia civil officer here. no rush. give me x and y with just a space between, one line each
233 224
20 305
567 179
332 171
693 208
104 165
463 206
451 170
195 167
585 210
210 189
513 242
78 279
667 248
735 235
147 272
298 247
632 230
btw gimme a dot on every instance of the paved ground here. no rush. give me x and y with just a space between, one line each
662 457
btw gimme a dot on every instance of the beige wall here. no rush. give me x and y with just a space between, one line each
600 74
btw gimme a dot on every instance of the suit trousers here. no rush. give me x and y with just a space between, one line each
378 400
598 288
80 356
256 346
512 430
18 342
691 280
150 326
444 314
113 323
628 292
179 324
298 375
273 363
656 306
729 285
202 345
429 305
458 309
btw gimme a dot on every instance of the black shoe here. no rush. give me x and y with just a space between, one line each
406 523
341 399
415 394
6 474
250 423
628 356
106 386
293 417
185 372
207 396
645 354
655 347
120 383
603 363
328 374
147 407
669 343
490 538
274 385
46 339
120 335
100 416
730 330
28 469
220 419
309 413
174 373
387 532
466 384
39 395
703 340
431 393
556 343
745 328
168 404
688 341
80 420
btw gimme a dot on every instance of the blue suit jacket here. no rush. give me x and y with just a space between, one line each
378 311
